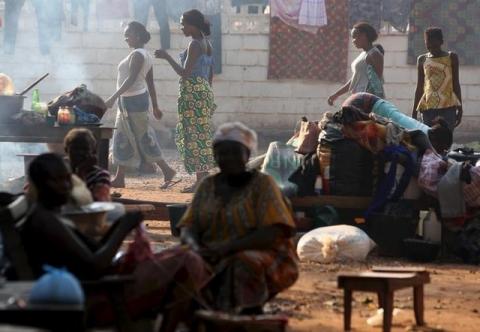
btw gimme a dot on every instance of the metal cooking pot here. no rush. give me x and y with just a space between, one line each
9 106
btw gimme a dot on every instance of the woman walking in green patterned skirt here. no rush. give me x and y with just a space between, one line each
195 101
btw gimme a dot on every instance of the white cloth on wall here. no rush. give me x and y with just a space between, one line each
313 13
288 11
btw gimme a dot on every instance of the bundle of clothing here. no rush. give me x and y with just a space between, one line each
83 100
455 184
392 148
362 154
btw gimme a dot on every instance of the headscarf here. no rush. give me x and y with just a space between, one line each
236 132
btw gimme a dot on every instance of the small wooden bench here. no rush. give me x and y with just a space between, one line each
139 207
384 282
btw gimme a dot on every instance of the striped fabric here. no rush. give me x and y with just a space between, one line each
98 182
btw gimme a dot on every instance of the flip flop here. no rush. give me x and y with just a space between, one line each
116 194
188 190
169 184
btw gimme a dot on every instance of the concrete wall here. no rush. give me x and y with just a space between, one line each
242 91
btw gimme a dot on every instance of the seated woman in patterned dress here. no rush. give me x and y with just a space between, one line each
240 223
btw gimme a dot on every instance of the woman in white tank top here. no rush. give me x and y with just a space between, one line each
367 68
134 140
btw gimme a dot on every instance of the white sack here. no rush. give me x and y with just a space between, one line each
334 243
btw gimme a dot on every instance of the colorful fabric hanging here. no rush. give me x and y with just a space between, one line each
459 22
397 12
288 11
249 2
369 11
296 54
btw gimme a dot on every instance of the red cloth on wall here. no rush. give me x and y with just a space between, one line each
296 54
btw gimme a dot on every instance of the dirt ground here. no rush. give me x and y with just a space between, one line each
452 299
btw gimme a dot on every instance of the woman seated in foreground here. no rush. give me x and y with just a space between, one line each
171 276
241 225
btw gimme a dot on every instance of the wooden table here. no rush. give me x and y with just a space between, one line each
384 284
48 134
52 317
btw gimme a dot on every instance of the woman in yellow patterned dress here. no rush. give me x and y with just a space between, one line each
438 92
195 101
241 225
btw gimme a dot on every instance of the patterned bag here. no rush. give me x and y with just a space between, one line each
307 137
138 251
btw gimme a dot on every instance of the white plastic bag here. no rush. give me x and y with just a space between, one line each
377 319
335 243
280 162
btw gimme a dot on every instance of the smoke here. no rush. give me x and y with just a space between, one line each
40 45
46 41
12 164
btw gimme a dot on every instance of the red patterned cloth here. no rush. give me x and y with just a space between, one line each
432 168
296 54
471 191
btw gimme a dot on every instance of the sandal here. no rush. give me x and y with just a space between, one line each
116 194
189 189
169 183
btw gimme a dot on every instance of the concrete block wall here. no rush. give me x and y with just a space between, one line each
242 91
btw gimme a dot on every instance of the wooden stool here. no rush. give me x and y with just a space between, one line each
384 283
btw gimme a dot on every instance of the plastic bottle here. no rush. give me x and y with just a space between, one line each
35 100
432 229
63 116
318 185
73 118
